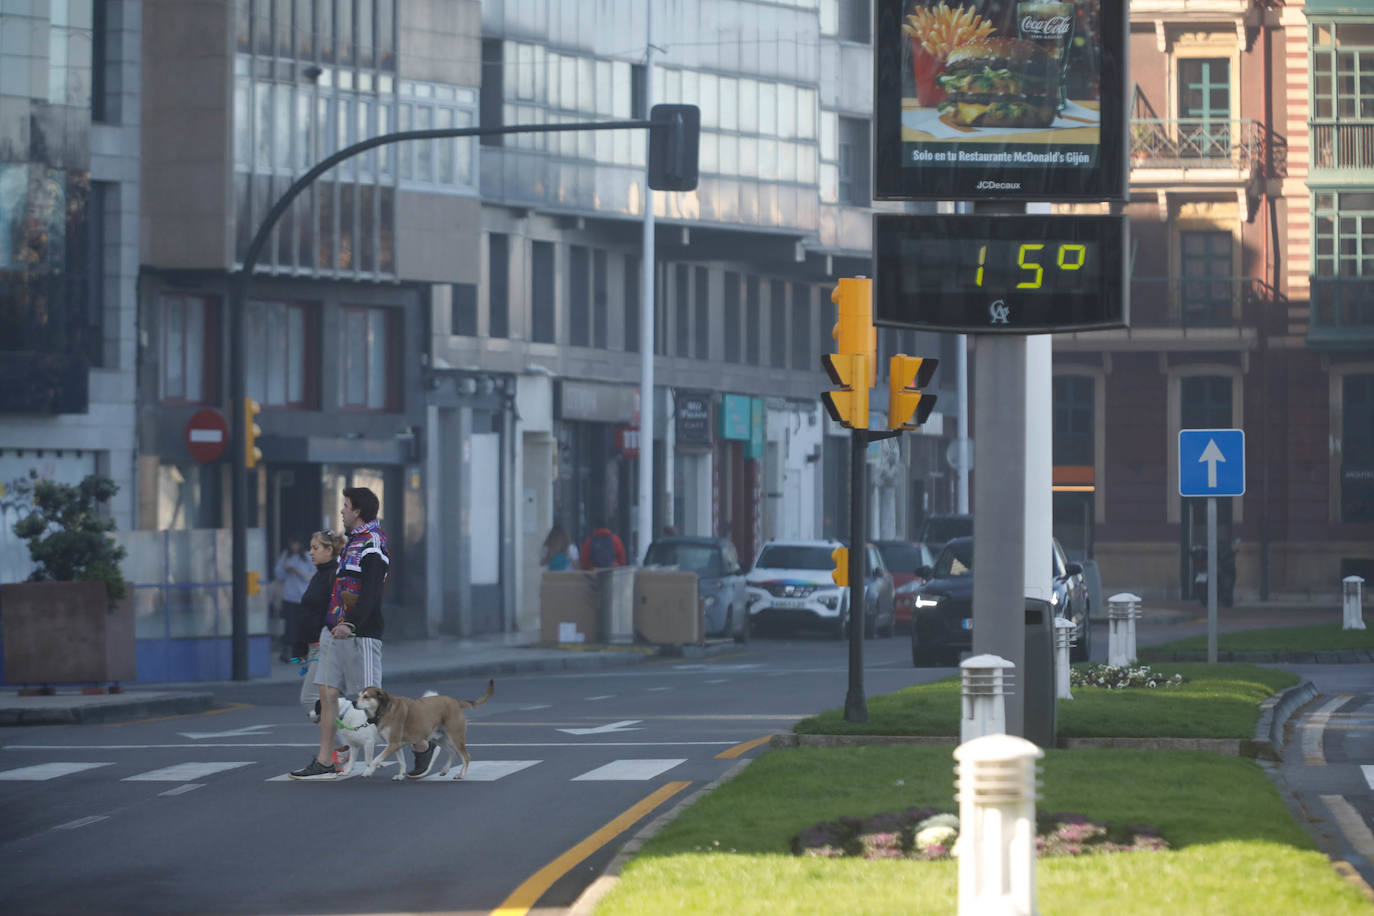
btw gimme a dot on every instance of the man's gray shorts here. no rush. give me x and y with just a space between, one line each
350 664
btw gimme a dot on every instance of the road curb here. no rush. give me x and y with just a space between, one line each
56 710
1274 714
586 901
1334 657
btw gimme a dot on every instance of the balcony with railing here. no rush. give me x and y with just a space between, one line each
1342 313
1201 149
1342 145
1210 309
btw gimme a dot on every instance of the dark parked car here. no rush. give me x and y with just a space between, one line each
942 625
720 580
903 559
939 529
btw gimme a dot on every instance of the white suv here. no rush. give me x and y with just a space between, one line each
791 585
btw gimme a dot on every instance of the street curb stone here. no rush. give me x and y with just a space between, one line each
1274 714
120 707
1333 657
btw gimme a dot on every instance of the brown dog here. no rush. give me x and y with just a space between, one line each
404 720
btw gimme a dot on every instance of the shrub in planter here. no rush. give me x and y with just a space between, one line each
68 539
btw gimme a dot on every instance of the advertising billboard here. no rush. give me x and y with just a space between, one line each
999 100
1000 273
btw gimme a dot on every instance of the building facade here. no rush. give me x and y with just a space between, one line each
1248 307
70 99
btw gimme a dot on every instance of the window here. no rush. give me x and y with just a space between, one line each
854 23
1342 70
853 162
1072 440
1206 402
1204 107
753 321
187 325
732 316
633 279
600 300
498 285
1357 448
279 358
368 361
579 302
100 107
543 324
802 356
682 310
777 324
463 309
701 335
1205 295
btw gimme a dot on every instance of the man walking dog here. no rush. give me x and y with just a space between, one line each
351 641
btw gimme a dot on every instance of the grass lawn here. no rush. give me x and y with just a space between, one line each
1237 851
1324 637
1217 701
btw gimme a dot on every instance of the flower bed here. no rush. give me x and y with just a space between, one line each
929 834
1111 677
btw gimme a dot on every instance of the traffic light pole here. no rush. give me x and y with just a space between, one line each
238 297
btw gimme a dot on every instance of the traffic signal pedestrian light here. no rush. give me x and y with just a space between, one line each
907 406
841 571
251 430
852 366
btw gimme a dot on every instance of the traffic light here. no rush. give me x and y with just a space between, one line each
251 430
852 367
907 407
254 583
674 137
841 572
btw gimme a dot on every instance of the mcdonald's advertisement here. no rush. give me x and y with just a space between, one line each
1000 100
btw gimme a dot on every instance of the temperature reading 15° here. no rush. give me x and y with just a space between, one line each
1068 256
982 258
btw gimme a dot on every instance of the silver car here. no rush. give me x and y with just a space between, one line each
720 580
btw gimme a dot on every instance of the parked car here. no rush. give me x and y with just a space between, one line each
939 529
903 559
942 622
720 580
790 584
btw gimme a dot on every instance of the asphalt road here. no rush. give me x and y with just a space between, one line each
195 814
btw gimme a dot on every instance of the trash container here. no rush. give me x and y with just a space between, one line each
1037 680
617 604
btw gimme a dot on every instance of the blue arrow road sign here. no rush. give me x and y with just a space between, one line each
1211 462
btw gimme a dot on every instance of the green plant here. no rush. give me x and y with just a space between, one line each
68 538
1119 678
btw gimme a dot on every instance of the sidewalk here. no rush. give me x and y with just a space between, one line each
404 661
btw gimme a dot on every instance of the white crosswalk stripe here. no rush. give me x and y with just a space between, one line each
484 770
44 771
618 770
187 772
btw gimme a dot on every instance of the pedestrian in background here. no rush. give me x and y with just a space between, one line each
325 547
558 553
294 571
602 548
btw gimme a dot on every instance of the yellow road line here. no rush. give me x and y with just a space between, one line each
528 893
184 715
741 749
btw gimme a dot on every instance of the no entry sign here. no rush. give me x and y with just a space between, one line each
207 434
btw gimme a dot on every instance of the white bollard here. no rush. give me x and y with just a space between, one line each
1063 639
1352 603
1122 610
986 681
996 846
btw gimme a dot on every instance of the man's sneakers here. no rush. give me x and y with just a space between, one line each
315 770
423 761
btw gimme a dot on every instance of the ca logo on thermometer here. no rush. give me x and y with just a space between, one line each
999 312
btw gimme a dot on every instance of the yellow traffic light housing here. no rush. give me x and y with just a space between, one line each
254 583
852 366
251 430
907 406
841 572
854 331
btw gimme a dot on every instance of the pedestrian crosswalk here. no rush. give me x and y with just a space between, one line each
195 773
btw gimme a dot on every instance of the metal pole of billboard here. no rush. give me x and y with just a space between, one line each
645 517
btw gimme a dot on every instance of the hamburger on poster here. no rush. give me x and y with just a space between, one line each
1000 82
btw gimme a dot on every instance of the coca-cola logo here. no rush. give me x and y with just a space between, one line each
1049 26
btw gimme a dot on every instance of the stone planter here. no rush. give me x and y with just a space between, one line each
66 632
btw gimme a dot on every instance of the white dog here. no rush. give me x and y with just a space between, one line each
361 735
